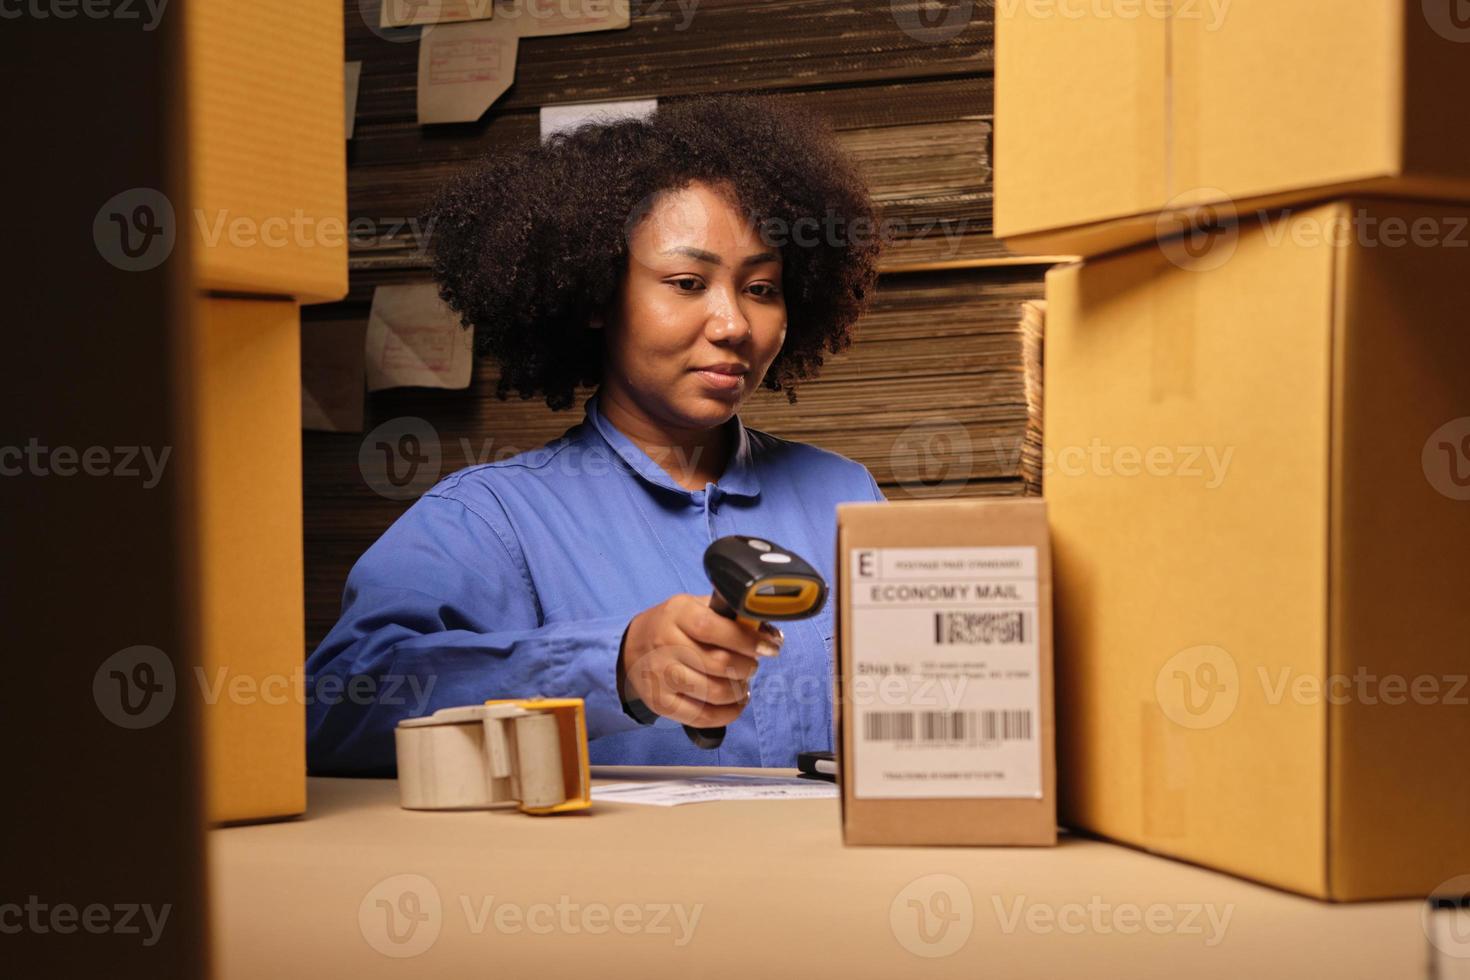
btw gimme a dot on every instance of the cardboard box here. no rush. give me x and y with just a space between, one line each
1258 478
267 151
246 378
944 673
1112 112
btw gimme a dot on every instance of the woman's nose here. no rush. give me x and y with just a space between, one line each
727 322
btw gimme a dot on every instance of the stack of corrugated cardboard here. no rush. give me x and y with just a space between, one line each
265 231
1257 425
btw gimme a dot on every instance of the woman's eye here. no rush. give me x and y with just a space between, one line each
693 284
771 292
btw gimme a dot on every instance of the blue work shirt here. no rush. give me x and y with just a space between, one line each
518 579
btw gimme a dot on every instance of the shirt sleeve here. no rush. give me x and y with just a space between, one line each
878 496
441 612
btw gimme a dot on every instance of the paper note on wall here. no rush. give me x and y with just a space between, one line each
333 370
565 118
415 341
408 13
540 18
351 78
463 68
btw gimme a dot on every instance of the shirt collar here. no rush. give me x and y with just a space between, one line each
739 478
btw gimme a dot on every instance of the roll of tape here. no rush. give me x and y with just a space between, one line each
538 751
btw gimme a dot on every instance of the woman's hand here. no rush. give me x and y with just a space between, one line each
685 661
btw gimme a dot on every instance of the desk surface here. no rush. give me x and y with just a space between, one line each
754 890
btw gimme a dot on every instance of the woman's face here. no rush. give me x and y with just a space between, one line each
701 315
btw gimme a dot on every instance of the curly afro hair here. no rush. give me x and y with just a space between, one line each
528 246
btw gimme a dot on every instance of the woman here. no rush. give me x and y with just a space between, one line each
676 263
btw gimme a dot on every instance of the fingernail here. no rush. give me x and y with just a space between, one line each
765 649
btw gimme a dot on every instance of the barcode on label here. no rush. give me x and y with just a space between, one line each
979 627
947 727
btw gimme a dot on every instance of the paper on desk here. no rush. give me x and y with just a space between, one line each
564 118
407 13
710 789
414 340
351 77
539 18
332 372
463 68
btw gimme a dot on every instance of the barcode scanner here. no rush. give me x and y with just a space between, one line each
755 581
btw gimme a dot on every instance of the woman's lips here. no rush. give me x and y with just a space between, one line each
722 382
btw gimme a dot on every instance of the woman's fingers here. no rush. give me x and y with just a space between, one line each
681 678
702 623
715 661
699 714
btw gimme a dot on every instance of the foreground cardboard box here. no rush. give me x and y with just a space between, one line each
267 149
944 673
1259 480
1110 112
246 377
